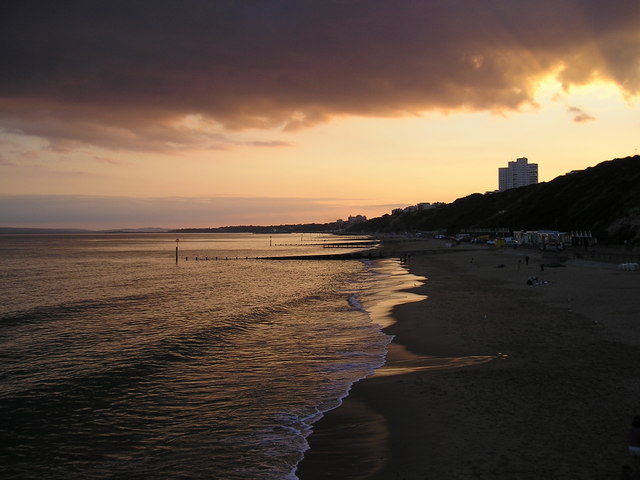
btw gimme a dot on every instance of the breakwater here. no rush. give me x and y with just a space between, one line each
368 254
371 254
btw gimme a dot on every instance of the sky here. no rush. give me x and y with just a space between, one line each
200 113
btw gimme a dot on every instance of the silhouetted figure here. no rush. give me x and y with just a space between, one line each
542 267
526 260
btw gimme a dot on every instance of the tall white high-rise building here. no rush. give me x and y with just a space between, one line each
518 174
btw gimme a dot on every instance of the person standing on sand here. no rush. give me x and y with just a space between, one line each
634 444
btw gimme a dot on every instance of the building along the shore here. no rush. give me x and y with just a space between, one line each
517 174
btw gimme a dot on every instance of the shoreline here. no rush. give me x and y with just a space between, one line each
552 397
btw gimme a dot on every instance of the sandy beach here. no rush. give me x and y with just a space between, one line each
491 378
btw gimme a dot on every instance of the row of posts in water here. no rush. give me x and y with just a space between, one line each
186 259
366 243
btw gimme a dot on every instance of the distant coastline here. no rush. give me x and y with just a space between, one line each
268 229
41 231
332 227
54 231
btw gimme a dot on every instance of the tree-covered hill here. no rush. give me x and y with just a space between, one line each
604 199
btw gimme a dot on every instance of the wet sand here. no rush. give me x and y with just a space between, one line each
491 378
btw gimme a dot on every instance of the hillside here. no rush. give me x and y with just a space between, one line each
604 199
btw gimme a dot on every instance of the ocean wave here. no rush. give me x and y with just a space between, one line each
354 301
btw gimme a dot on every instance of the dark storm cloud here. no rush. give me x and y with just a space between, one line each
121 73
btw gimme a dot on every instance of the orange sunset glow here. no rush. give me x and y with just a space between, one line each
198 113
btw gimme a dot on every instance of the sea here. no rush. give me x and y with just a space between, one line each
117 361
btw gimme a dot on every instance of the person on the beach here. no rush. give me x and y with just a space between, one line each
634 444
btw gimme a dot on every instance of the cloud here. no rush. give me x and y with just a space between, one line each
268 143
110 161
580 116
6 163
14 153
70 126
128 75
